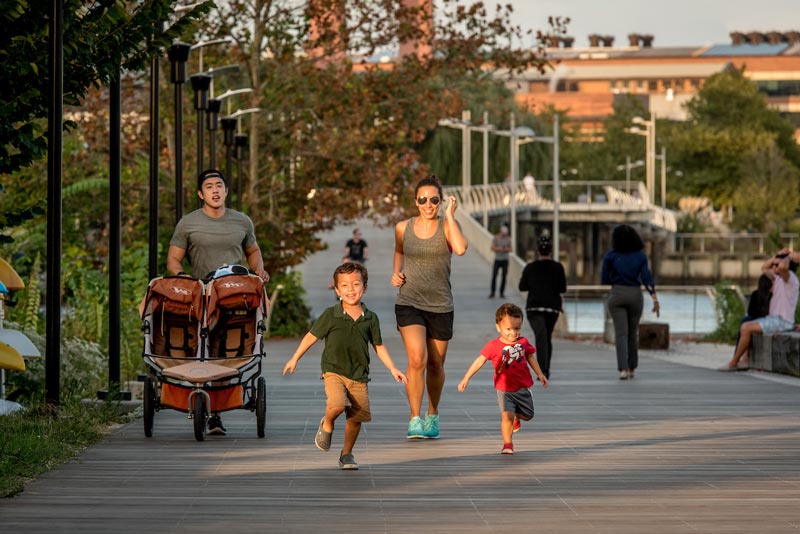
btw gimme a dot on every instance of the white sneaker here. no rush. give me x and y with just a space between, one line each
623 375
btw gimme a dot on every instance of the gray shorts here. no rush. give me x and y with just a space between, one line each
520 402
772 324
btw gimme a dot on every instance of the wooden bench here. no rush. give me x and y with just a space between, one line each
777 353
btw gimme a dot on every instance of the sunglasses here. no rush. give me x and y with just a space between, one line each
424 200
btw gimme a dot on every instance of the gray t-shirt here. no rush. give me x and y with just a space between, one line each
501 241
211 242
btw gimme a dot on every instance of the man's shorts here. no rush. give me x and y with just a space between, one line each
437 325
772 324
348 394
520 402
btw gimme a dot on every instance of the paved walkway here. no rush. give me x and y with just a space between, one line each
679 449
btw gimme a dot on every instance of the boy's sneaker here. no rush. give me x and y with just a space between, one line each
415 430
430 428
214 426
323 439
348 461
516 425
508 448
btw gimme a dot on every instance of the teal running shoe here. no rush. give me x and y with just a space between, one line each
431 427
415 430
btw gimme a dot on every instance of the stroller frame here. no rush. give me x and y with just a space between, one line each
203 347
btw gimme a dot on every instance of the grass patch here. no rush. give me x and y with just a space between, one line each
35 441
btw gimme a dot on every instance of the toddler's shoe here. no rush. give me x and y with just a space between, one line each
508 448
516 426
415 429
430 428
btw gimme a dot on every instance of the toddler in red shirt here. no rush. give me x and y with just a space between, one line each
510 355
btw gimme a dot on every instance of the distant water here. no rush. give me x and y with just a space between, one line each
685 313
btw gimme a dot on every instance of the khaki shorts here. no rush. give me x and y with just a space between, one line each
348 394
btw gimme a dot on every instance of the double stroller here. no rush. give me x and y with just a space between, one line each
203 346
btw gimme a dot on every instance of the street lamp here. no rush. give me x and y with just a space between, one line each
466 151
519 136
240 142
220 98
627 168
228 132
230 126
649 134
201 83
178 54
212 123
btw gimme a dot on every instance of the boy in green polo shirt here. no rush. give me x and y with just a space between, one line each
348 328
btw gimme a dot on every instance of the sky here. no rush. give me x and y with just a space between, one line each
672 22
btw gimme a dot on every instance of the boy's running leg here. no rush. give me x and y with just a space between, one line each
506 429
346 458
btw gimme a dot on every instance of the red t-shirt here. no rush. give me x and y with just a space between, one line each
511 371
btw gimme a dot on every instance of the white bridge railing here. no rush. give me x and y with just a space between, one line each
590 198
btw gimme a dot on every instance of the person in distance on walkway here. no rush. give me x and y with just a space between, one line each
511 355
785 286
544 280
348 329
501 246
424 305
625 269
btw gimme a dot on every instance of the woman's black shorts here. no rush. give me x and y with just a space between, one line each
437 325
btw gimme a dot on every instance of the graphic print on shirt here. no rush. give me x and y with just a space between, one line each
511 354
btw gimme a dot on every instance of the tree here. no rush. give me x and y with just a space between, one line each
100 38
737 151
340 134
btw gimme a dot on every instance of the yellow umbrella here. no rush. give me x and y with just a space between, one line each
9 277
10 358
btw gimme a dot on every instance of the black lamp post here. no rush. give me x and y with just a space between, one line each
201 84
212 123
240 141
178 54
228 131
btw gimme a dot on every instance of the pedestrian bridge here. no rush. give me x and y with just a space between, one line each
612 202
584 206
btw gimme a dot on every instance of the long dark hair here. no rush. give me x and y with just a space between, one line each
625 239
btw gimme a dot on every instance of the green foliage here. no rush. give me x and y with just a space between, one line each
33 298
36 440
730 310
100 38
84 370
290 316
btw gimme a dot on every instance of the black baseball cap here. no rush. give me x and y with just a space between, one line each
210 173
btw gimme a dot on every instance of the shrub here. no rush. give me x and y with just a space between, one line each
730 310
291 315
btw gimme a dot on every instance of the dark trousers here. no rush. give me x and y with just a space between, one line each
543 324
625 305
499 265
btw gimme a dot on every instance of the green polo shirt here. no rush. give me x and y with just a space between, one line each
347 341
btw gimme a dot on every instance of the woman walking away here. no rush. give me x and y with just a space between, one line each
545 281
625 268
424 305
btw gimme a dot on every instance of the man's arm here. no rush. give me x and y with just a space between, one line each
175 257
256 261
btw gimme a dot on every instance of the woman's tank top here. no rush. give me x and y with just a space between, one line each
426 264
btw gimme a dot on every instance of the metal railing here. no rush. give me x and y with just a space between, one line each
733 243
687 309
577 196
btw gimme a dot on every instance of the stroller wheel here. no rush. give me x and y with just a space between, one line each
261 405
199 416
149 406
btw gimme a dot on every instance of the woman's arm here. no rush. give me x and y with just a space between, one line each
398 278
452 230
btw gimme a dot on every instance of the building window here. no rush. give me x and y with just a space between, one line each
667 84
652 86
573 87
